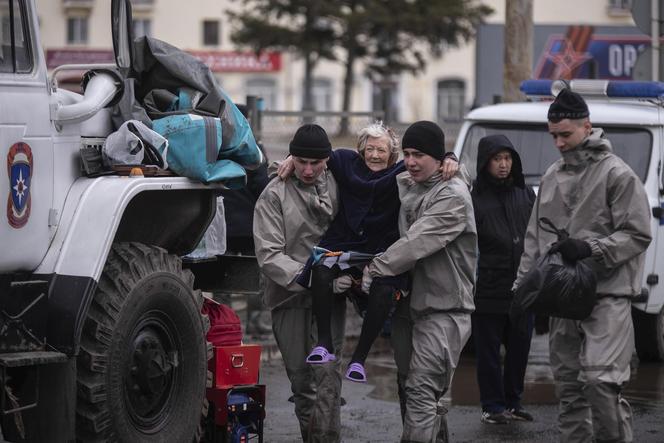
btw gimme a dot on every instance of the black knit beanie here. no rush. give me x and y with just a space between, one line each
310 141
568 104
427 137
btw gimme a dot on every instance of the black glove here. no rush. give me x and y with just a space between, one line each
572 249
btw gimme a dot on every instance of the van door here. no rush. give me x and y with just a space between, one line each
654 271
26 178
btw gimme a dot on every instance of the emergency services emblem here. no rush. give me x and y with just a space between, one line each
19 171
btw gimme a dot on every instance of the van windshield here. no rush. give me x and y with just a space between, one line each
535 147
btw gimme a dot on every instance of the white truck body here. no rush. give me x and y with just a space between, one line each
90 269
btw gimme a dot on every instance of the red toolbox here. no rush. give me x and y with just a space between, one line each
236 365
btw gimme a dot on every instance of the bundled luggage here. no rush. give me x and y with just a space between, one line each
176 97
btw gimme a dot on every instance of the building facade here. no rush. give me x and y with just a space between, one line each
77 31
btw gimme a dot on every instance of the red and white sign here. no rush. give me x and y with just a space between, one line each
57 57
231 61
218 61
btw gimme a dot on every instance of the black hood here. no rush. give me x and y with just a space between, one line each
487 148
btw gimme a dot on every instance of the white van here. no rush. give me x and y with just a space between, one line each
632 115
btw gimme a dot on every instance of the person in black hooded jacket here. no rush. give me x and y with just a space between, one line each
502 203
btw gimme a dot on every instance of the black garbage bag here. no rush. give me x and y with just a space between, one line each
555 287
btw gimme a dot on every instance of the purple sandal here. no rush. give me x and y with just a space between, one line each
356 373
319 355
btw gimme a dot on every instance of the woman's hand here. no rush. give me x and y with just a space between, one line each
286 168
448 168
341 284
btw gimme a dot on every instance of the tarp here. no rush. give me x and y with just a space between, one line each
165 81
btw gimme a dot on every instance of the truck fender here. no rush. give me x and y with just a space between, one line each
170 212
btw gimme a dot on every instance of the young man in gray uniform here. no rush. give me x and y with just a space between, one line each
289 219
602 204
438 246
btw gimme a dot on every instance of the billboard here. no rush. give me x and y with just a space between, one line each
561 52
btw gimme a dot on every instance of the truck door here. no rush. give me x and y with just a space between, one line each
26 177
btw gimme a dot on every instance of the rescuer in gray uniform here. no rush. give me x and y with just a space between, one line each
438 247
602 204
289 219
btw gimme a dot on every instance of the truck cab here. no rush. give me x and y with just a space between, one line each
101 331
631 114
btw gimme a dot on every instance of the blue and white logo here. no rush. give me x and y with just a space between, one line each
19 170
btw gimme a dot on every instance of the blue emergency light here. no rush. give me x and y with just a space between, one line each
600 88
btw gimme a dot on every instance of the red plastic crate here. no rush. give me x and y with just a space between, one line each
236 365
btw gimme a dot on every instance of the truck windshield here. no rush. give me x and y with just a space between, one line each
537 152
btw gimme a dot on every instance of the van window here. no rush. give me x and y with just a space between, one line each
15 54
535 147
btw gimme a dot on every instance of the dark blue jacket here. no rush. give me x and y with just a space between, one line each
368 215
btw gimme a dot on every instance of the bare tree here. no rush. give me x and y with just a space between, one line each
296 25
397 36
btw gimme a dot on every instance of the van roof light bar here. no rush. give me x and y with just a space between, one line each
597 88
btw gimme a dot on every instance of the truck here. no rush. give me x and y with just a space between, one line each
632 116
101 331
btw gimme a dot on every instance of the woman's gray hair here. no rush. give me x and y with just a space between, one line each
378 130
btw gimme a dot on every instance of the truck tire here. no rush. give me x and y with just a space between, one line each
649 335
142 365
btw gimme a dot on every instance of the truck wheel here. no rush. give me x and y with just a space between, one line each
142 366
649 335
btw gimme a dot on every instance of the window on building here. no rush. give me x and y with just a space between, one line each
451 100
77 30
620 7
385 97
211 33
265 88
5 23
620 4
142 27
15 53
321 94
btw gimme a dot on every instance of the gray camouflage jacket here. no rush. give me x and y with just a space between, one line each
438 244
289 219
596 197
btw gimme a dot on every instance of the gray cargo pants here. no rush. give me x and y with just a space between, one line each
590 362
316 388
436 341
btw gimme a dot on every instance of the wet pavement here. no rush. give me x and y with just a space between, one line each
372 411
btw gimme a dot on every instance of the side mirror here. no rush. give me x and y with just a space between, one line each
123 35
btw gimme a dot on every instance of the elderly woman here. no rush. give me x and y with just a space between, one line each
367 222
